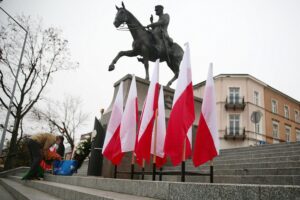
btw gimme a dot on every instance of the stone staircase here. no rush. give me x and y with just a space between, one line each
263 172
276 164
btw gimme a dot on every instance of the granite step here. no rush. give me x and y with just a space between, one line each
255 160
258 171
239 166
240 179
21 191
71 192
251 171
187 191
260 155
262 147
13 171
4 194
249 179
258 152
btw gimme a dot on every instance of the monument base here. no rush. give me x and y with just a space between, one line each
142 89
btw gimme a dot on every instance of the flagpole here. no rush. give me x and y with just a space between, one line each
115 171
154 153
211 171
132 165
143 170
183 161
160 175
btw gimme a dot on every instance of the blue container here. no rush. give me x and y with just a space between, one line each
64 167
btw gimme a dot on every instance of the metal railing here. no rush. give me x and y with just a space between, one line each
235 133
235 103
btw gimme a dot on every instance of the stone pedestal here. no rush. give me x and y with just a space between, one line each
142 89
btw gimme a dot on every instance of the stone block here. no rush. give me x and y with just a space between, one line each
280 193
189 191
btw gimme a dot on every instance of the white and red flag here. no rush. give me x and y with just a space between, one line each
129 119
143 144
158 141
207 142
112 143
182 115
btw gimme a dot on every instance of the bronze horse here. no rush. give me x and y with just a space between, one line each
144 46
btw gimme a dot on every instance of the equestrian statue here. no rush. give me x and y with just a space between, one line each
151 42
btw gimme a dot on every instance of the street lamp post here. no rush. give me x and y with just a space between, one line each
15 83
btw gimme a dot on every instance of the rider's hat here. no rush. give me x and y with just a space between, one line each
159 7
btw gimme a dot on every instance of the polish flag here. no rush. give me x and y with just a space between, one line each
112 143
207 142
143 145
129 119
159 140
182 115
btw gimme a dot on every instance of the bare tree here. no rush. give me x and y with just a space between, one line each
46 52
65 117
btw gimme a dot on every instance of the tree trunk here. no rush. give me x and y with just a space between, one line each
10 160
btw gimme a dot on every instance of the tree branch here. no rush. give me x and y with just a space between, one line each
30 105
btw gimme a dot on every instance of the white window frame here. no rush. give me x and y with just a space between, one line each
256 98
288 133
277 134
298 135
274 108
297 116
236 95
258 127
286 110
234 124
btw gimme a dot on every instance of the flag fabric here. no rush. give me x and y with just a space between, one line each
207 142
112 143
143 144
160 132
129 119
182 114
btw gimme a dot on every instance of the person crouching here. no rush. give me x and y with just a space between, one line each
38 146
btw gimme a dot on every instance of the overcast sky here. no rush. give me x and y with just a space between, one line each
256 37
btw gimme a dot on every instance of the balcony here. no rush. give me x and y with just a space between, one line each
235 134
235 103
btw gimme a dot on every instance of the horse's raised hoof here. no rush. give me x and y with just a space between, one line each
111 67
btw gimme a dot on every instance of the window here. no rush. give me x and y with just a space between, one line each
234 94
287 133
274 106
298 134
234 124
257 127
256 98
286 112
275 130
297 116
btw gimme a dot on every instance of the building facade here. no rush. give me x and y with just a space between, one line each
244 111
282 117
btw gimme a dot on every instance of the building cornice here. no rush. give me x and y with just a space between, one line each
220 76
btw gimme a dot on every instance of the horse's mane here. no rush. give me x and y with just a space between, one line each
131 15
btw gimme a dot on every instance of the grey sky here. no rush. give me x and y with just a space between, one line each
257 37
